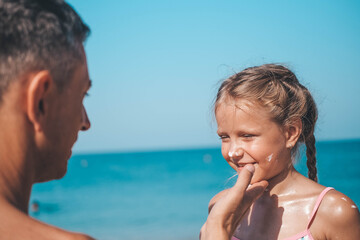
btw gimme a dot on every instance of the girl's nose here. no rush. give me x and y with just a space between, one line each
235 152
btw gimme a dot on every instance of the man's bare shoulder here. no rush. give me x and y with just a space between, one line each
61 234
78 236
15 224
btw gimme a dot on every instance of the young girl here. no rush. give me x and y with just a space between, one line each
264 114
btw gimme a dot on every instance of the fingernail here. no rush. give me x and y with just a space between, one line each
250 168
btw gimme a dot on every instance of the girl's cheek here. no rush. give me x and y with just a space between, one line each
270 159
225 150
261 171
223 153
263 153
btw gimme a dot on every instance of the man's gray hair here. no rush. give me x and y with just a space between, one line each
39 35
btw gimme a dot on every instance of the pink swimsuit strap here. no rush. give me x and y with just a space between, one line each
317 205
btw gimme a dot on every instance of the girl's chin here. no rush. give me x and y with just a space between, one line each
255 179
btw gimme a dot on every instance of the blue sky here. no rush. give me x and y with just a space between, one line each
155 65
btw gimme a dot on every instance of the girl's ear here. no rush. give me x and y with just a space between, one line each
293 132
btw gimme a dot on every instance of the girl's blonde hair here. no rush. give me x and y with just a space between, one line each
276 88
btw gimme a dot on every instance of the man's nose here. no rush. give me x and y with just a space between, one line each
85 122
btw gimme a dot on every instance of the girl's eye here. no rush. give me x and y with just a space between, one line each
248 135
223 137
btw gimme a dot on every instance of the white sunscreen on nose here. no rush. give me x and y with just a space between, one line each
231 154
270 157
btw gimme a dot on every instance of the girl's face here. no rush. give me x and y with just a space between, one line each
250 136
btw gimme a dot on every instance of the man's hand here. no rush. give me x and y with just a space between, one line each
226 214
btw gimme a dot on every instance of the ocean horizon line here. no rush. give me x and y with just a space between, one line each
185 149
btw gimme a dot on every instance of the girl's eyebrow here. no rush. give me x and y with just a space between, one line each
221 133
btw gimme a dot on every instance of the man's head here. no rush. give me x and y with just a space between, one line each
43 80
37 35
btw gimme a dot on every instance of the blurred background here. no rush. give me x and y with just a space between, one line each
151 160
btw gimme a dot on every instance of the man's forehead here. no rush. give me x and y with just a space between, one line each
81 75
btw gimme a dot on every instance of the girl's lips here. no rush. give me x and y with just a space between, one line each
240 166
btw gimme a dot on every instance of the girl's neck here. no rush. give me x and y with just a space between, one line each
283 184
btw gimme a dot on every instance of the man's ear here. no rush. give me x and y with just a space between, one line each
293 132
37 98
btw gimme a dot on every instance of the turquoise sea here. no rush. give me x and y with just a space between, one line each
164 194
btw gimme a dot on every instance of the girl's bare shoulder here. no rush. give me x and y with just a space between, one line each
338 216
338 206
